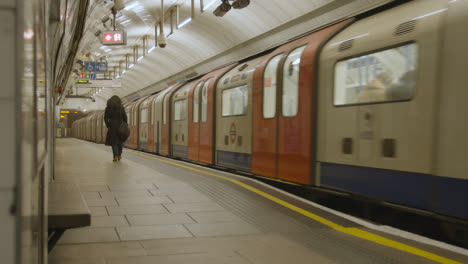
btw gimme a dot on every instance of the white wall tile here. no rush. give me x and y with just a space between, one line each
7 228
7 143
7 52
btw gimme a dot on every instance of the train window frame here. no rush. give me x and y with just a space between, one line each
176 104
204 115
196 95
354 56
245 110
297 85
275 94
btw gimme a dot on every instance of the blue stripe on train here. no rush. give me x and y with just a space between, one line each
434 193
180 151
234 160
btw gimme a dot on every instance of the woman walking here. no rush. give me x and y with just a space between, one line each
114 115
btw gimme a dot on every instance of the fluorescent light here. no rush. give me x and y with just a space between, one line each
131 66
185 22
140 58
151 49
118 76
131 6
124 71
208 5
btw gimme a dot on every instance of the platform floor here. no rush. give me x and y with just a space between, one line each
149 209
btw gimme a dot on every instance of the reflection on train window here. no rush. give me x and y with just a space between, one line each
291 82
204 111
144 116
196 100
235 101
180 110
383 76
269 87
164 108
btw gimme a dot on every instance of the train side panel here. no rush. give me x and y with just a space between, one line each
194 109
377 106
179 121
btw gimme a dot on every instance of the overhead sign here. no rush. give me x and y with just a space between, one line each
91 66
118 37
109 83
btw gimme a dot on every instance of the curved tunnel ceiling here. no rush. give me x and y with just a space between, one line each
240 33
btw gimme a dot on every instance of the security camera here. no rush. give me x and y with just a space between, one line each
222 9
93 100
162 41
109 3
238 4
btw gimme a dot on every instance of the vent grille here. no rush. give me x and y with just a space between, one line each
405 28
346 45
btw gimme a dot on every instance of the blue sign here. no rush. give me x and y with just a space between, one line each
101 66
91 66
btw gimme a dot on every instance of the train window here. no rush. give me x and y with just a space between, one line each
384 76
180 110
235 101
164 108
291 82
269 87
204 110
196 104
144 116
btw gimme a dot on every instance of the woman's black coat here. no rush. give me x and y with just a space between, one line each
113 117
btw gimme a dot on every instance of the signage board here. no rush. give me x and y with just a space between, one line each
91 66
118 37
108 83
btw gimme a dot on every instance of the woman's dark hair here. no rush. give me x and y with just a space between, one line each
114 101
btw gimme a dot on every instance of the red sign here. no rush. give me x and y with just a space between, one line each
114 38
268 82
233 133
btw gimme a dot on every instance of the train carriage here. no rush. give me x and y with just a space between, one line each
234 117
133 124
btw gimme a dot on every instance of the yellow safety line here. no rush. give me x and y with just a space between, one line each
350 231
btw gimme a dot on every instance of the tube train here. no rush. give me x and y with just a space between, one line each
371 106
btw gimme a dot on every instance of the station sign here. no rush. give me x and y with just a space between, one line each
118 37
91 66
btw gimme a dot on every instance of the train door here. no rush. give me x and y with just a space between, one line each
151 114
165 126
194 122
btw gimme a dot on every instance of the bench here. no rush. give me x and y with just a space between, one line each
67 209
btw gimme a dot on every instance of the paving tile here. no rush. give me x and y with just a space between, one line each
221 229
152 232
214 217
193 207
101 201
98 211
159 219
198 245
137 209
94 188
89 235
142 200
96 250
174 189
108 221
76 261
127 193
203 258
194 198
135 186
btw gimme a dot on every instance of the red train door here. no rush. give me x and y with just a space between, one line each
194 122
283 123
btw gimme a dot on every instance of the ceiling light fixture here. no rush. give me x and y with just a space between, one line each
131 66
185 22
151 49
208 5
140 58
